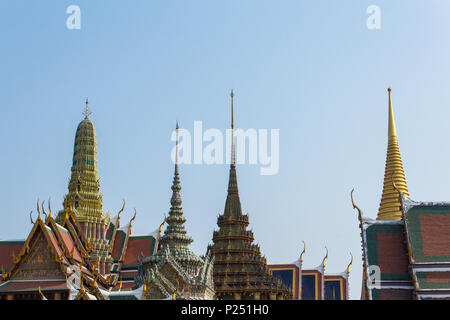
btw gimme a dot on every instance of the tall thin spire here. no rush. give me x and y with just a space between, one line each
240 271
233 151
390 204
176 149
86 110
232 182
175 236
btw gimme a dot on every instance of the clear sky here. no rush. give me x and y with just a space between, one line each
311 69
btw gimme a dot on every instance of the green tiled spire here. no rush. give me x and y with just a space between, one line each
84 193
84 185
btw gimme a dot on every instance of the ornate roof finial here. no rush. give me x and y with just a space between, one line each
134 217
31 219
161 225
326 257
39 216
43 211
49 209
86 111
351 261
301 254
41 294
355 206
121 210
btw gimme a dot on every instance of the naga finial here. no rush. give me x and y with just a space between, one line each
351 261
134 217
162 224
393 183
66 214
326 257
176 290
355 206
121 210
49 208
398 190
43 211
39 217
40 293
304 250
31 219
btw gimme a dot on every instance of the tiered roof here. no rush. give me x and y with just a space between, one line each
175 237
174 262
313 284
54 260
240 271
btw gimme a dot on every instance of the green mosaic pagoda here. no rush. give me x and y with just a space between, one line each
240 271
174 267
175 237
84 193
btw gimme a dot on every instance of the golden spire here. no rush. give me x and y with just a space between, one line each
86 111
390 204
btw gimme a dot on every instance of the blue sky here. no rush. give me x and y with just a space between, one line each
311 69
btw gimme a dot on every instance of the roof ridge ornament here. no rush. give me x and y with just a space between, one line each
121 210
31 219
49 209
39 217
43 211
351 262
134 217
355 206
304 250
326 257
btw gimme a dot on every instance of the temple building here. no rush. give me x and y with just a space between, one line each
240 271
84 193
53 264
174 267
83 253
313 283
405 251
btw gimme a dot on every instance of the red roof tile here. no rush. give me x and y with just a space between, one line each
435 234
7 248
392 252
136 245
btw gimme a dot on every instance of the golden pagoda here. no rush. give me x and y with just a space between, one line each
394 175
84 192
